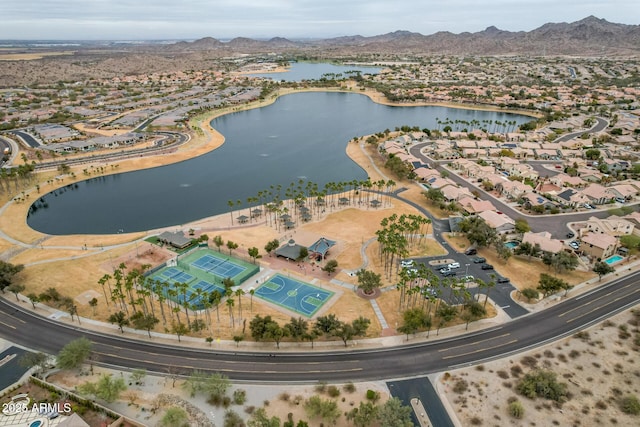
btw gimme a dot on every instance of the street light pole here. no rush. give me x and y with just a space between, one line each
467 271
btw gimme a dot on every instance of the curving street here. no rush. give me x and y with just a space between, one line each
415 358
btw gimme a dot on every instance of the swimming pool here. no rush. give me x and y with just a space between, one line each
512 245
613 259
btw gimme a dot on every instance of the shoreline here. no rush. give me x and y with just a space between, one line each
204 139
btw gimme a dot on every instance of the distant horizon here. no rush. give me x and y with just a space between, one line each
168 40
128 20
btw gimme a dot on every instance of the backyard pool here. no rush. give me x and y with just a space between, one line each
512 245
613 259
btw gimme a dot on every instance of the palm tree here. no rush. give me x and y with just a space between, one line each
230 303
230 203
239 292
251 293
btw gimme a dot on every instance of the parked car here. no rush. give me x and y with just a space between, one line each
444 269
486 267
468 279
479 260
588 206
449 273
406 263
570 235
621 200
503 280
471 251
453 265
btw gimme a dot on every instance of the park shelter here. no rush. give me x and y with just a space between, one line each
177 239
321 247
290 250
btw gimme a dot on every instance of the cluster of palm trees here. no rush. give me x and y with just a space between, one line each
181 309
398 236
303 199
20 176
487 126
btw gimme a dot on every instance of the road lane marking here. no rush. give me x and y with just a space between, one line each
474 342
587 303
480 350
597 308
6 324
164 364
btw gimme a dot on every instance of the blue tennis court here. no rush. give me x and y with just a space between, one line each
220 267
207 287
301 297
173 275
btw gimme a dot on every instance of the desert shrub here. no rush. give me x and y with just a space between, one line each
542 383
333 391
250 409
480 368
549 354
475 421
630 405
529 361
460 386
516 410
373 395
530 294
574 354
284 396
239 397
503 374
321 387
349 387
516 370
601 404
582 335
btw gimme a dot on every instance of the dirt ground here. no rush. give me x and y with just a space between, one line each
599 366
139 399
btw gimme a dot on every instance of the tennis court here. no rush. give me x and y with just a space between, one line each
203 271
173 275
218 266
300 297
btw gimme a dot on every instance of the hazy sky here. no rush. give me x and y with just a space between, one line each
223 19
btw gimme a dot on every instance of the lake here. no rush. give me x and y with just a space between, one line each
300 136
299 71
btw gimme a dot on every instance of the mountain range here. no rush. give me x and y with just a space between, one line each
590 36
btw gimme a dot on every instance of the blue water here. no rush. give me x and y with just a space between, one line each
314 71
512 245
301 137
613 259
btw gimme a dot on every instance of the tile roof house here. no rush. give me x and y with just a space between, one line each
454 193
598 194
573 198
544 240
474 206
502 223
613 226
599 246
513 189
564 180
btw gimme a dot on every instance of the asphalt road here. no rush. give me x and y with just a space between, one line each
27 138
412 359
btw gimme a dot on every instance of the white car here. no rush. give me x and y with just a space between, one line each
405 263
453 265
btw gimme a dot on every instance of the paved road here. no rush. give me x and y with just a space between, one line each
412 359
421 388
27 138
